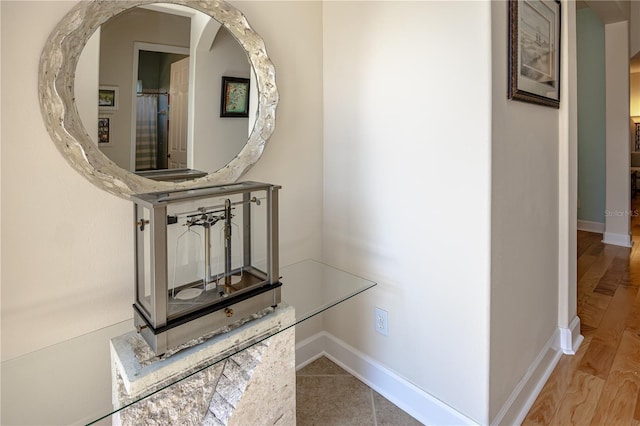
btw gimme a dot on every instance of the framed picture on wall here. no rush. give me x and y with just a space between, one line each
108 98
234 100
104 131
534 51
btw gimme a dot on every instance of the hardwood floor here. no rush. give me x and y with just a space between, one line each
600 385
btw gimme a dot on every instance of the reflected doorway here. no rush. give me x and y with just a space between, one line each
160 112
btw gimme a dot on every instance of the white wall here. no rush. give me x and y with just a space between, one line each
413 131
524 227
116 68
217 139
66 243
407 139
617 200
86 85
634 28
568 322
67 258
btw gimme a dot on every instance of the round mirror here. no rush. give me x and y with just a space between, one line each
136 112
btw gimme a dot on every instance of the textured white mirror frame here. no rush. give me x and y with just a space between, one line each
56 88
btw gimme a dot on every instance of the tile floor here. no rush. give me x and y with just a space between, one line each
329 396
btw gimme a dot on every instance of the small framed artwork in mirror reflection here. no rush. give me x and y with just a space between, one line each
104 131
108 98
235 97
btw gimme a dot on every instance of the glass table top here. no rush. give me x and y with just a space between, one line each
70 382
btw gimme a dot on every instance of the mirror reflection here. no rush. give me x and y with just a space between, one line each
158 72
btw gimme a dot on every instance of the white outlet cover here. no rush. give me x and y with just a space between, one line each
381 322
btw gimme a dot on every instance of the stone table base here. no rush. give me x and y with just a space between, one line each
253 387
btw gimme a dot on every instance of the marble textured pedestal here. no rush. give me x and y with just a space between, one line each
256 386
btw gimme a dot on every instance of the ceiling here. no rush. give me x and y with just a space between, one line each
609 11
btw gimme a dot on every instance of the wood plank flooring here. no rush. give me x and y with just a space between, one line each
600 385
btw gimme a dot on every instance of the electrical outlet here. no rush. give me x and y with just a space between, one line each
381 324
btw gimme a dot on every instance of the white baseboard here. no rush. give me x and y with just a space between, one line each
408 397
617 239
519 403
309 350
425 407
589 226
609 237
570 338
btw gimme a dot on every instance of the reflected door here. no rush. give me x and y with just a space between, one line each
178 116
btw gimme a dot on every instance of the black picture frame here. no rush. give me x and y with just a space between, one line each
104 131
234 98
534 51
